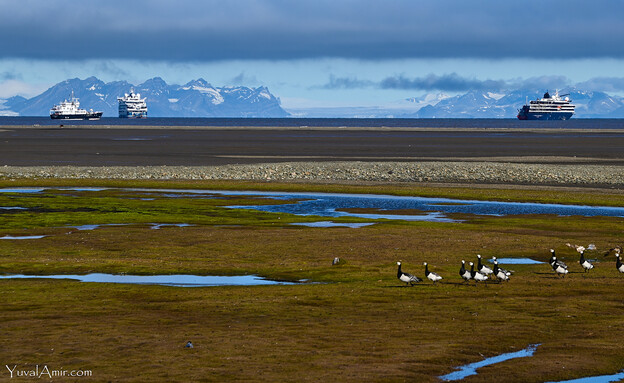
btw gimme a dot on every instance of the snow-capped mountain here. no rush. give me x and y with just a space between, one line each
473 104
505 105
197 98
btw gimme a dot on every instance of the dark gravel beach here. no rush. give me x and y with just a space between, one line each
526 156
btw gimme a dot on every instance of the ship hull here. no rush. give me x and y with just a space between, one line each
88 116
544 116
133 115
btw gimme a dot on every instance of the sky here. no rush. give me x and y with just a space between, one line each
317 53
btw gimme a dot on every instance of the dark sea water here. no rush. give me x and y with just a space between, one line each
328 122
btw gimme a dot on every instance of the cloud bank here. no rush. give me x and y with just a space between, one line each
209 30
455 83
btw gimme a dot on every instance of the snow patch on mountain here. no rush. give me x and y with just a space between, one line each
197 98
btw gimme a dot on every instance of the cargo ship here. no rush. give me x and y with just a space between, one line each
132 106
548 108
70 110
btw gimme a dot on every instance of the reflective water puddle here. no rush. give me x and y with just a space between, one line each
516 261
165 280
332 224
596 379
23 237
335 204
471 369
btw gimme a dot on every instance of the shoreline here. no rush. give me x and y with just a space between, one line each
449 172
69 126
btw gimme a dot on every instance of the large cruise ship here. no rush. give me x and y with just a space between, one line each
132 106
70 110
547 108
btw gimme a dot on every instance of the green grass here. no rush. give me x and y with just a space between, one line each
358 324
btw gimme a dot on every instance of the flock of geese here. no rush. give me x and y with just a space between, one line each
483 272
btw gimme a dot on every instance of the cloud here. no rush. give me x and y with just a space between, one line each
455 83
345 83
10 75
449 82
212 30
12 87
603 84
244 79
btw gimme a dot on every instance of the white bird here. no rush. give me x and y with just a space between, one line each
406 277
465 274
431 275
501 274
619 265
482 268
477 276
585 263
577 247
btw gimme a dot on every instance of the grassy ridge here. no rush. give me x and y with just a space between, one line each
361 323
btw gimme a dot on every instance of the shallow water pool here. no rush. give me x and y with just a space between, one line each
180 280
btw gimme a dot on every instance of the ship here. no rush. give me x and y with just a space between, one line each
549 107
70 110
132 106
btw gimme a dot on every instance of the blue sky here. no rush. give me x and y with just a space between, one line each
316 53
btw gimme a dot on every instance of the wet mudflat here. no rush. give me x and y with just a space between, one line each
102 146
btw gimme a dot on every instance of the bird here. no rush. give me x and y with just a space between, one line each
553 260
477 276
406 277
482 268
619 265
501 274
585 263
336 261
507 272
558 266
617 250
431 275
189 345
577 247
465 274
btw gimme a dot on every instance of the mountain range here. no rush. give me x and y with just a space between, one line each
195 99
198 98
474 104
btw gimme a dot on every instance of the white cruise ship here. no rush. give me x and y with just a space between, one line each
132 106
70 110
548 108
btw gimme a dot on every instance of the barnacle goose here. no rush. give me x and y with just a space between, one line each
477 276
482 268
558 266
465 274
507 272
501 274
619 265
431 275
406 277
585 263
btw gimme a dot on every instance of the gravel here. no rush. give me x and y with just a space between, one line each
391 172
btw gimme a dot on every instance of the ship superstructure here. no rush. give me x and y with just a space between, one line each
548 108
132 106
70 110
